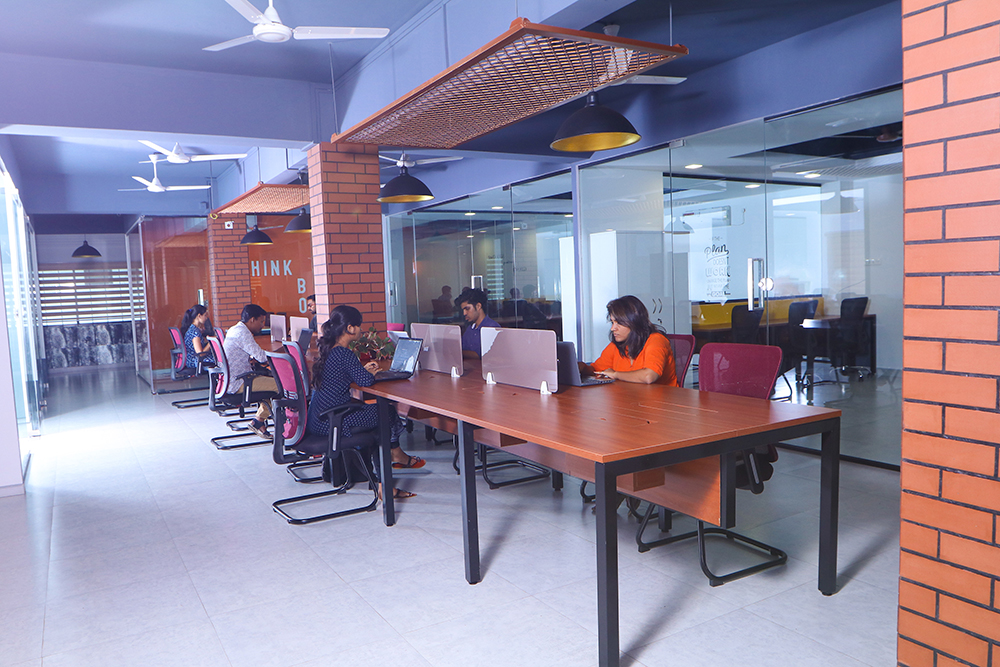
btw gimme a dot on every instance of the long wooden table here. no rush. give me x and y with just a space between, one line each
621 428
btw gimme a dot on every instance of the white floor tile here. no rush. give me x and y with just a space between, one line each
291 631
114 613
21 639
192 644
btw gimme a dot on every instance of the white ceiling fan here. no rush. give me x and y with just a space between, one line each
178 156
156 186
404 160
269 28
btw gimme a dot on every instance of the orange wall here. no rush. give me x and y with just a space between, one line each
949 598
281 275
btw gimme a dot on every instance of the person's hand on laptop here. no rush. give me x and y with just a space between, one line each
372 367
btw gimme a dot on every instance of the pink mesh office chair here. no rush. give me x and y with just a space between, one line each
743 370
342 461
223 398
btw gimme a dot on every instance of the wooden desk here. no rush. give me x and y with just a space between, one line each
620 429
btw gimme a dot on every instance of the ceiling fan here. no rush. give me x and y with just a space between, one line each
156 186
404 160
178 156
269 28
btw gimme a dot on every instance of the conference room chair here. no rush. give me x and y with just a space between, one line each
745 324
220 333
743 370
682 347
851 338
223 399
289 410
343 463
179 369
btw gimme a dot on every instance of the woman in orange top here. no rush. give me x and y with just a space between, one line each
639 350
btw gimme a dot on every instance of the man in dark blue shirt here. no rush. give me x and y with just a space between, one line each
473 305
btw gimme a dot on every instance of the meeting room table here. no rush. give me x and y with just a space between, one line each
620 428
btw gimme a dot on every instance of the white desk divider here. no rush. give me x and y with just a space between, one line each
277 327
296 325
442 350
521 357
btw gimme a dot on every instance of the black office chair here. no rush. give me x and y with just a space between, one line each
794 341
851 338
746 324
744 370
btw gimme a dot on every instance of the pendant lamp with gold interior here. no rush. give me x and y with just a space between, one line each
300 223
594 128
256 237
404 189
86 250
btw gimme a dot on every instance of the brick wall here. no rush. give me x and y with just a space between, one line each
949 597
347 230
229 270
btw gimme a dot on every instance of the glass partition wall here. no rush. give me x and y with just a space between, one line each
168 273
510 242
784 231
20 294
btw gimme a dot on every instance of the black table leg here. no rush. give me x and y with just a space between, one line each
557 480
607 566
829 509
470 512
386 415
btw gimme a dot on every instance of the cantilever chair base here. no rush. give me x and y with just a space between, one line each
219 441
294 468
484 466
279 505
776 556
190 403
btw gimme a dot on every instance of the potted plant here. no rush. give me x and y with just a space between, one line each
373 347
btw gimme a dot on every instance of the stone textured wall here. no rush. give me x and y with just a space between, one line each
84 345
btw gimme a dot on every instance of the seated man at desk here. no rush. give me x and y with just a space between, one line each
311 311
242 351
473 305
639 350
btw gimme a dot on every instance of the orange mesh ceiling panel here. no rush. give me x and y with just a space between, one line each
265 198
526 70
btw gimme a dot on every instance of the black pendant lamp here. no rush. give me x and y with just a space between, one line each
86 250
256 237
300 223
404 188
594 128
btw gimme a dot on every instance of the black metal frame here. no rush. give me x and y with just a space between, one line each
606 475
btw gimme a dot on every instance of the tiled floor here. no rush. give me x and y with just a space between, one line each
139 543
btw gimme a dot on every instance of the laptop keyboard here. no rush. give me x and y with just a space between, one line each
392 375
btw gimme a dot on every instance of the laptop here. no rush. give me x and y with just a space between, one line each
569 370
305 338
404 361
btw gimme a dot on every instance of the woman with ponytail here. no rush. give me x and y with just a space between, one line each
337 368
193 328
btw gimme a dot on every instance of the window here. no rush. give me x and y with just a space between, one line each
72 296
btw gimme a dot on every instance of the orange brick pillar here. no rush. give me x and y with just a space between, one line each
347 230
949 590
228 269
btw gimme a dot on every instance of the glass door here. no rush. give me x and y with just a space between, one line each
836 218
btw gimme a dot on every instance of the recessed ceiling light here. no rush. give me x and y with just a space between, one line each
694 165
751 186
517 229
568 215
803 173
470 213
482 231
497 208
471 236
811 175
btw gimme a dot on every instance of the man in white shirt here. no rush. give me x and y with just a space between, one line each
241 348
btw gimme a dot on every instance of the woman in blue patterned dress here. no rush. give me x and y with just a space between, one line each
195 327
337 368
